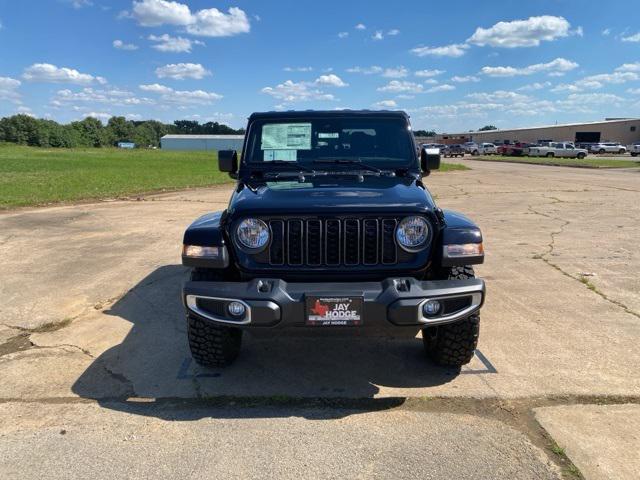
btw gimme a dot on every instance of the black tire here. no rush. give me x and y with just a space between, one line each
581 156
211 345
453 344
601 151
550 155
634 154
622 151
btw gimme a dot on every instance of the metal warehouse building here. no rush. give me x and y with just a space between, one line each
625 131
202 142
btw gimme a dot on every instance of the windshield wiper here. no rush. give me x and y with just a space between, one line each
345 161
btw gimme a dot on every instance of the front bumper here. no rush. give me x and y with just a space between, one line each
392 304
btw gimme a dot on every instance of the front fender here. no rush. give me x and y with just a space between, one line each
459 230
207 231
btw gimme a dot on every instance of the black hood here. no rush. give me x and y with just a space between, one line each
332 195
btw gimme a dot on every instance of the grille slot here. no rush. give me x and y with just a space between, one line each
333 242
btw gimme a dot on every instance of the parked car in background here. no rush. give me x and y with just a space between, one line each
558 149
487 149
634 149
514 149
585 145
608 147
472 148
452 151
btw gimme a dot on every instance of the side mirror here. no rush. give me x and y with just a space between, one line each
429 159
228 161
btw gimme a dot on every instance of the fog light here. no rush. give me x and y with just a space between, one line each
236 309
431 308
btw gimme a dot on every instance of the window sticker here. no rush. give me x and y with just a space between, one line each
328 135
286 136
286 155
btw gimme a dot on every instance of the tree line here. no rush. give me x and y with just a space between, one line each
91 132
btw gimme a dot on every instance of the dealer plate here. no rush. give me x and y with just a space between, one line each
334 311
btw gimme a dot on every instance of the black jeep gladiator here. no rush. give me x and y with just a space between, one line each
330 228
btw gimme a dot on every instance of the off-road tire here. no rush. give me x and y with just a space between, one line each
634 154
211 345
453 344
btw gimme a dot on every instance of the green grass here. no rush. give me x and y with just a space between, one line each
450 167
37 176
588 162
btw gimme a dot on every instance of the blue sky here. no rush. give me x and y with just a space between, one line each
454 66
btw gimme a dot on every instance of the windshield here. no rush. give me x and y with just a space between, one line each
380 142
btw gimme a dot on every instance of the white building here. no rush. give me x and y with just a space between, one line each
202 142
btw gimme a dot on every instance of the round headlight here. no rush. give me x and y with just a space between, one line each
412 233
253 233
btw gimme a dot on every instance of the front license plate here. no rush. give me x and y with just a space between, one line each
334 311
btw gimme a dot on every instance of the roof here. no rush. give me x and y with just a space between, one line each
304 114
578 124
204 137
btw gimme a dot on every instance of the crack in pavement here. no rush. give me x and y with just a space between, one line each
579 278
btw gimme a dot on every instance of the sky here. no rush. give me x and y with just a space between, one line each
453 66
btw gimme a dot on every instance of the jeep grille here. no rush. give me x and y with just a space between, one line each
333 242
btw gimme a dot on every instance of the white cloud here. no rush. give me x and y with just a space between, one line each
167 43
110 96
181 97
522 33
498 96
385 104
181 71
591 99
632 38
629 67
133 116
360 26
398 72
102 116
441 88
209 22
453 50
559 65
214 23
606 32
428 73
154 13
331 80
378 35
623 74
430 81
8 89
393 32
534 86
298 69
80 3
465 79
45 72
290 92
399 86
343 34
633 91
120 45
365 70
